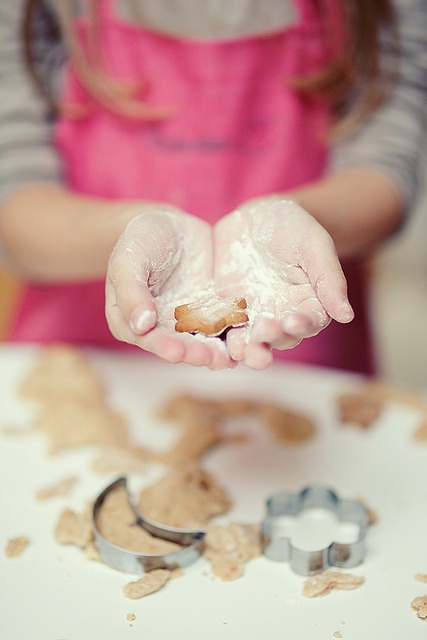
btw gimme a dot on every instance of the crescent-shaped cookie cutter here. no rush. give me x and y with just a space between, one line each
278 546
133 562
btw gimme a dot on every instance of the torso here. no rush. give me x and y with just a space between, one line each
238 131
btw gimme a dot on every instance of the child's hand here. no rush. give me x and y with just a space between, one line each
162 259
276 255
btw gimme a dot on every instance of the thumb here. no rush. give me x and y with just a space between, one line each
145 255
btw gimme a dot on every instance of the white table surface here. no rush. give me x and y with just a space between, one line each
54 592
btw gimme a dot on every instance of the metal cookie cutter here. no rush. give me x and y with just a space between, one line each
278 546
133 562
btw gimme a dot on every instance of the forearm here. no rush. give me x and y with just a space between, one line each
50 234
358 207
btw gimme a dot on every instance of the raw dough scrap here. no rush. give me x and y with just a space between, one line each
62 371
419 605
376 392
229 547
149 583
325 582
359 408
61 488
16 546
74 412
72 423
288 426
74 528
116 522
186 497
73 409
200 430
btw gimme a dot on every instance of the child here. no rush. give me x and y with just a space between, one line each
193 142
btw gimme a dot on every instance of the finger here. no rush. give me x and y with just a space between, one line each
171 347
143 317
157 342
326 275
221 358
258 356
270 332
135 302
308 321
174 348
119 326
236 341
161 344
145 255
191 350
267 334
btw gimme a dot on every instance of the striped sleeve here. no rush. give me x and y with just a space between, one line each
26 152
392 141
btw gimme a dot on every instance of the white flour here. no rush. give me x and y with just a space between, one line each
260 283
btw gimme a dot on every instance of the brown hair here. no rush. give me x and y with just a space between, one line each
355 72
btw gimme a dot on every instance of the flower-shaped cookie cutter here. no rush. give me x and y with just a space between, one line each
192 542
278 546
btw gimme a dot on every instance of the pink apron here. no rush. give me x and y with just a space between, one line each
238 131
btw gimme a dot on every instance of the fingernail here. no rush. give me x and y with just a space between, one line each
347 310
291 322
142 320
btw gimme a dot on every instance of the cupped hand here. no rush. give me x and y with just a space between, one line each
276 255
163 258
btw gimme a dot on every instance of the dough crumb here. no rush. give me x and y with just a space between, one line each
92 552
130 617
337 634
419 605
325 582
229 547
287 426
186 497
116 522
359 408
372 514
73 528
421 577
421 432
149 583
382 393
120 461
16 546
61 488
